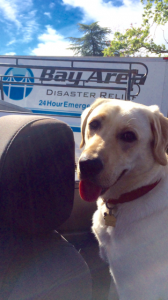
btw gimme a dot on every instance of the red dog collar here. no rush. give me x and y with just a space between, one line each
133 195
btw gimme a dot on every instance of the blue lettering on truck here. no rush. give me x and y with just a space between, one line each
51 103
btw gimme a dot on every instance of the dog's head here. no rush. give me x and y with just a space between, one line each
124 144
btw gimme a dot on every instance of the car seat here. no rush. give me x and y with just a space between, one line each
36 197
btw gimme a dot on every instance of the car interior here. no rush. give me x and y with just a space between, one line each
47 248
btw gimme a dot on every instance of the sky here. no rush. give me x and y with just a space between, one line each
41 27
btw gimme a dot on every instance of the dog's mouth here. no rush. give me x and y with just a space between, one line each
90 192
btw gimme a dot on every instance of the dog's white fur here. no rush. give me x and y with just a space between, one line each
137 248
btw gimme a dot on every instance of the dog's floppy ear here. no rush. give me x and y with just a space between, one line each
159 126
84 117
86 114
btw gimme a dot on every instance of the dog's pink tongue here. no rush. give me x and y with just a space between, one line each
89 191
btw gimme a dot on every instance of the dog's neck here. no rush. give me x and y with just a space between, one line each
134 194
130 183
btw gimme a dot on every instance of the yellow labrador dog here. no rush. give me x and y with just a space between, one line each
124 166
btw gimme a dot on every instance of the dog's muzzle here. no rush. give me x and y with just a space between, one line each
90 167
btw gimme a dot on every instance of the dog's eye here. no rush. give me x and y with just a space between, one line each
94 124
128 136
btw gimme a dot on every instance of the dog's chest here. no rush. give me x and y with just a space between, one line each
138 257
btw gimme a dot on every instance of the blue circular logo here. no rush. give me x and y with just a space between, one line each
17 84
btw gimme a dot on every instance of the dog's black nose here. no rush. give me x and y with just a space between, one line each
90 167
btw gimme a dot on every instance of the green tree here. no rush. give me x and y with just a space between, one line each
155 10
138 41
92 42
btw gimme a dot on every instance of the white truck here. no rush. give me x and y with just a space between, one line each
64 86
